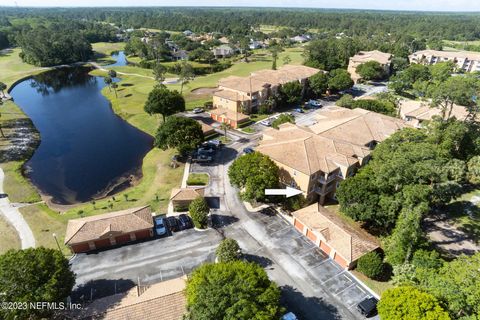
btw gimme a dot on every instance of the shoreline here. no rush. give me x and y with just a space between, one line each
134 178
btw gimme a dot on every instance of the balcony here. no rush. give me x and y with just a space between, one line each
323 191
330 178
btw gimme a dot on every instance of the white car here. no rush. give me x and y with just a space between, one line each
160 227
198 110
266 122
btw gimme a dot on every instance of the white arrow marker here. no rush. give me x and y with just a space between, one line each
288 192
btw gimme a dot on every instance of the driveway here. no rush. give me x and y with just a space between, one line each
313 286
115 270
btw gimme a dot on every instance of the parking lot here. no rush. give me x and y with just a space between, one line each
114 270
325 275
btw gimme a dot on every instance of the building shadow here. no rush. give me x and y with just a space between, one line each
307 308
96 289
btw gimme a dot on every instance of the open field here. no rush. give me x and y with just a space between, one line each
8 237
13 68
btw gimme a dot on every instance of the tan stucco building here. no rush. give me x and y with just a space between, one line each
365 56
416 112
314 159
464 60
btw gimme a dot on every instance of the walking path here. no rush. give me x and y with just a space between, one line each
15 218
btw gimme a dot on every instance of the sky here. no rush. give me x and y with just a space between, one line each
421 5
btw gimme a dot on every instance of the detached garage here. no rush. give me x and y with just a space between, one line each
343 242
105 230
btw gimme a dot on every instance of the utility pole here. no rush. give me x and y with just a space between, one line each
56 240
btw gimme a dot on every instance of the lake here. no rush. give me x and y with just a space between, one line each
120 58
86 150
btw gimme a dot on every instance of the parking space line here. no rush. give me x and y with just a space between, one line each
279 230
318 265
352 285
338 274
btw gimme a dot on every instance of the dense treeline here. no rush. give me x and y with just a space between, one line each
240 21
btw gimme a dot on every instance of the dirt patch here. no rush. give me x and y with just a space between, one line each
203 91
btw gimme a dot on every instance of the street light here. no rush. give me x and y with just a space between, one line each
56 240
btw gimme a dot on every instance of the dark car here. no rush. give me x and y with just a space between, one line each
206 150
248 150
214 143
184 222
368 307
201 158
172 223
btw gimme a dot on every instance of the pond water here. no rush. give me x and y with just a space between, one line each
121 59
86 151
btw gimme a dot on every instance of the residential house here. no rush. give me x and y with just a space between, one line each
224 40
464 60
180 55
109 229
314 159
254 44
182 197
223 51
164 300
300 39
417 112
188 33
344 243
365 56
245 94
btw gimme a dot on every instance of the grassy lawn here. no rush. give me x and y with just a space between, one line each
198 179
257 117
13 68
376 286
44 222
8 237
465 214
16 186
248 130
108 47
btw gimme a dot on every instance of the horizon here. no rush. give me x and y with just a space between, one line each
441 6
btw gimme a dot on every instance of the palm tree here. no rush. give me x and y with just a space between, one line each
287 59
108 81
186 74
115 86
225 126
3 87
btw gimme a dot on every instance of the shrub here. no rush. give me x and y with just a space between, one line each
370 265
228 250
199 210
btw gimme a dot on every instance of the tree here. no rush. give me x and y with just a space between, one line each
225 126
108 81
3 87
318 83
253 173
112 73
159 72
283 118
291 92
371 265
186 74
339 80
371 70
457 284
198 210
228 250
473 172
165 102
34 275
114 85
287 59
233 290
407 302
274 49
406 236
182 133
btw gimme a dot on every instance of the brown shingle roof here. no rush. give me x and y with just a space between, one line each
165 300
357 126
375 55
231 95
424 111
348 241
119 222
186 194
301 149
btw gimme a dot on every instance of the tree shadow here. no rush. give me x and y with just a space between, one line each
127 85
307 308
213 202
220 221
96 289
264 262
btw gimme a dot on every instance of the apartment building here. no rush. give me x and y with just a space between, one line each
365 56
417 112
314 159
464 60
245 94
